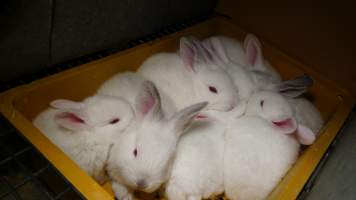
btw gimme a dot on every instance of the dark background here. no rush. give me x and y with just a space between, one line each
38 34
41 33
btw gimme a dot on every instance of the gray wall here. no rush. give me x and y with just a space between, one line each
41 33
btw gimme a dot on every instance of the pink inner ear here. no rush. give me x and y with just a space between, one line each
201 116
188 56
71 117
147 103
283 123
252 53
287 126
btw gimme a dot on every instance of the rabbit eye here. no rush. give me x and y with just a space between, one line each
213 89
114 121
135 152
261 103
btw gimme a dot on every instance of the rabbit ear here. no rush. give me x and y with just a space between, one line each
217 50
295 87
305 135
293 92
71 121
188 53
193 52
303 81
72 115
207 116
253 51
287 126
182 120
64 104
148 102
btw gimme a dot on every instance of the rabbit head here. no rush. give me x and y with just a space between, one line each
98 114
276 109
242 78
273 107
141 158
210 81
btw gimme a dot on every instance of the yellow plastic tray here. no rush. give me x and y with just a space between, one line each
20 105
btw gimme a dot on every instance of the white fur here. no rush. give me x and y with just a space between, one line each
307 114
88 146
269 105
237 52
256 158
283 115
258 153
154 136
127 85
197 170
186 78
243 80
201 163
248 78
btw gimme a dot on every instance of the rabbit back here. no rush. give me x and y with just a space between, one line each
197 169
256 158
85 149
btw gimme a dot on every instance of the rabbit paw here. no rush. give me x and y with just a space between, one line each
121 192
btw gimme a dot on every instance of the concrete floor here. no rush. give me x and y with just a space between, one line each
337 178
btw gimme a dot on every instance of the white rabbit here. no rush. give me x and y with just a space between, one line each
248 55
141 158
84 130
247 68
193 76
256 157
197 171
128 85
265 77
281 114
305 112
260 147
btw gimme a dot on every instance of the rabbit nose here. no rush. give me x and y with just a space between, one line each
141 184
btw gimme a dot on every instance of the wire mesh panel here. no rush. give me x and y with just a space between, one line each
25 173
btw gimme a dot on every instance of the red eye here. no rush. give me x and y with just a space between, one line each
213 89
261 103
135 152
114 121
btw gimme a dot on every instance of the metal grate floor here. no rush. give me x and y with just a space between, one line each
25 174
